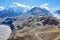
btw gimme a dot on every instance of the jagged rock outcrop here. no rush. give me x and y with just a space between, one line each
35 22
50 21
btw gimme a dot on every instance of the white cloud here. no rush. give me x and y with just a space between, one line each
31 7
2 8
56 15
52 10
24 7
19 5
45 5
5 32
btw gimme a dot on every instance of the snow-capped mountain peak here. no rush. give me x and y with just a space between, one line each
17 6
2 8
37 11
15 9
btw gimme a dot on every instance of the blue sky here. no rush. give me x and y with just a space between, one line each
52 3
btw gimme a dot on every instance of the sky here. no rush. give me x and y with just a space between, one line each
49 3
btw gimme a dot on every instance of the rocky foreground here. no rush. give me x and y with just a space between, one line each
45 28
48 33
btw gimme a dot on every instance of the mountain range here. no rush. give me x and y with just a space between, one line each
15 10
